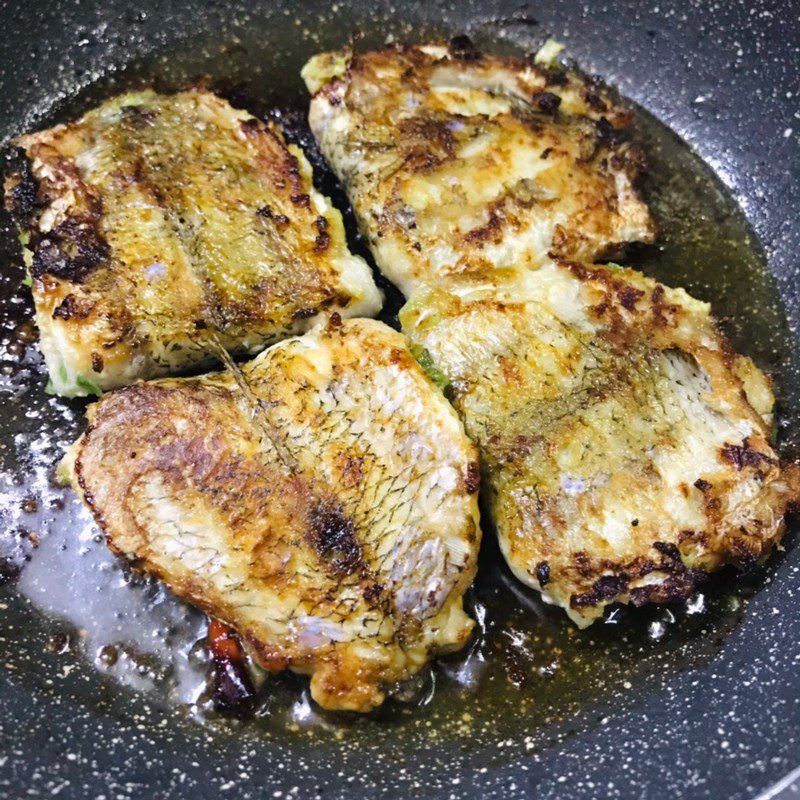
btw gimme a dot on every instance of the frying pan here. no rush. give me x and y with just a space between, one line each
697 701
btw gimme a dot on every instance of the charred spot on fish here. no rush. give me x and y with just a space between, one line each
250 125
22 199
594 101
743 455
547 102
490 231
556 76
70 308
432 134
304 313
302 200
606 588
582 564
372 592
463 48
543 573
606 134
321 242
629 297
660 308
71 251
97 362
281 220
473 479
138 116
333 536
679 585
668 549
702 485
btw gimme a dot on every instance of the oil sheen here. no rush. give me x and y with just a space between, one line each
81 623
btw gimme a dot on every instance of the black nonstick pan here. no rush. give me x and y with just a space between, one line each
102 672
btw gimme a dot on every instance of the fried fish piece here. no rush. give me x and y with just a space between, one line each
624 447
461 162
332 521
158 225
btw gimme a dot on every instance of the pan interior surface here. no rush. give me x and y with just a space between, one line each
103 685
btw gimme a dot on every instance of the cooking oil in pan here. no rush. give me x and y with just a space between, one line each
80 624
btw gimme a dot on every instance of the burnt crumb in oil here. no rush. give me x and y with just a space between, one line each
463 48
58 643
108 655
232 693
9 569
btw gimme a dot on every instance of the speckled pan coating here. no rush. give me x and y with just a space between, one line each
708 722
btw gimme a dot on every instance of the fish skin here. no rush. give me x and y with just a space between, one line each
159 225
623 455
350 563
475 164
624 446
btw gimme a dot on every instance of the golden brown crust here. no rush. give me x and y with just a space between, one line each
341 547
622 459
624 446
468 165
155 220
